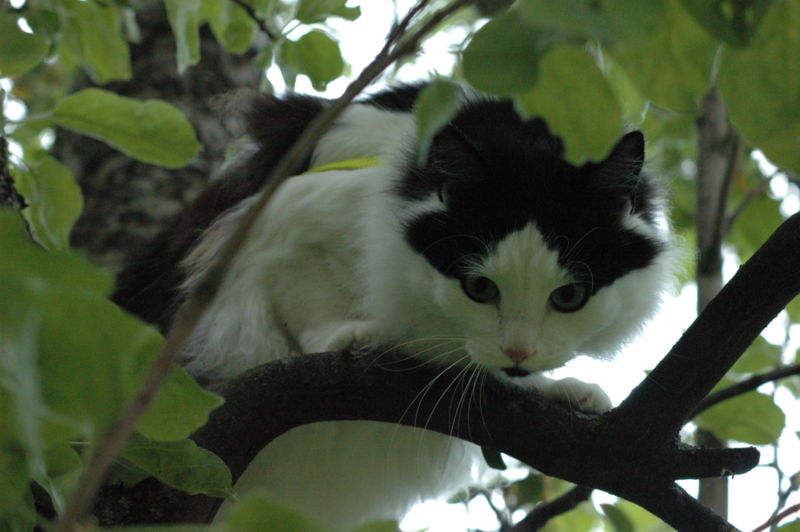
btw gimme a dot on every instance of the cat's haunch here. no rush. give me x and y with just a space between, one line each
496 255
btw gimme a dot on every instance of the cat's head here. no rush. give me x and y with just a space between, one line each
527 259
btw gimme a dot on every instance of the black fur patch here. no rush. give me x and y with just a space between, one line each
497 173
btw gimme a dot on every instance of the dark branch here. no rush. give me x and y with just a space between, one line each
745 386
541 514
631 452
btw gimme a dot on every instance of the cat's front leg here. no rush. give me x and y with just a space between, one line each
338 336
583 396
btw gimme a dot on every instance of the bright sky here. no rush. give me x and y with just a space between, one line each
752 496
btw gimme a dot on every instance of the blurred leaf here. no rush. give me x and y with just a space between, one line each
489 8
19 51
750 418
313 11
232 26
794 526
583 518
761 86
180 408
620 19
179 464
95 31
672 67
379 526
54 200
729 20
503 56
755 226
619 520
529 489
760 356
152 131
257 513
436 105
184 18
316 55
572 95
641 519
793 308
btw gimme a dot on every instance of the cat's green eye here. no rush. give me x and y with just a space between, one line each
570 297
480 289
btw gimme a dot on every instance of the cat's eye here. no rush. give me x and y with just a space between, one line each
570 297
480 289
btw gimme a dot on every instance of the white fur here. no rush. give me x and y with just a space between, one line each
327 266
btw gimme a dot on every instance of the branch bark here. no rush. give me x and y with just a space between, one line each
631 451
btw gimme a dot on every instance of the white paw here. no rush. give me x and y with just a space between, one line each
352 334
583 396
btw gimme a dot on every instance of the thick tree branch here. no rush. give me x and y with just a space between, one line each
762 287
632 451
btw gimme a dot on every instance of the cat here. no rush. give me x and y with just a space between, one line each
495 254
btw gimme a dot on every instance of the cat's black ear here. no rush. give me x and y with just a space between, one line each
626 158
454 159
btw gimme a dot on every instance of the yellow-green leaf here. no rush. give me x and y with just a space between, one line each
95 31
761 86
54 200
750 418
184 18
257 513
573 96
316 55
436 105
19 51
152 131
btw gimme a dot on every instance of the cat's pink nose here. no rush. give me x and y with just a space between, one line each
516 355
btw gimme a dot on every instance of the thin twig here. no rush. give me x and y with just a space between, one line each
262 25
778 518
745 386
542 513
189 316
755 192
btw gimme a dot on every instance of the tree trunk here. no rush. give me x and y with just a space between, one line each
127 202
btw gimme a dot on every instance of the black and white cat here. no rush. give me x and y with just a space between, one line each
496 255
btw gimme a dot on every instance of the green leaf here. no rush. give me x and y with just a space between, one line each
582 518
378 526
755 225
606 21
316 55
436 105
179 464
503 56
761 86
181 407
672 67
152 131
794 526
750 418
572 95
729 20
184 18
616 515
19 51
641 519
761 356
257 513
793 308
54 200
95 31
313 11
529 489
232 26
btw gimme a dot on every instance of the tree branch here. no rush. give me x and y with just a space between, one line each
631 451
